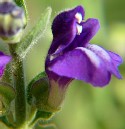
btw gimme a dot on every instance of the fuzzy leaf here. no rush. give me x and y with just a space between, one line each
44 115
7 94
29 94
47 126
34 34
7 91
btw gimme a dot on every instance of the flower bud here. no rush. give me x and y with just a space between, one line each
12 21
7 94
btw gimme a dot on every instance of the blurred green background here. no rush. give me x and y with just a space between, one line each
85 107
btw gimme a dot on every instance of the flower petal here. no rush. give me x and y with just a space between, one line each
4 60
62 81
81 64
89 29
64 28
110 59
117 60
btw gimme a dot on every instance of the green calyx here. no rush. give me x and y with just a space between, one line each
39 93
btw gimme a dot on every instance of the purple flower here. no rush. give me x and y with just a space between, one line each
4 60
71 56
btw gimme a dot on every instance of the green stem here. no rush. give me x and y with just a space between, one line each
19 84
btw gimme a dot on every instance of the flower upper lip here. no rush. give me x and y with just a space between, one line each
65 28
69 26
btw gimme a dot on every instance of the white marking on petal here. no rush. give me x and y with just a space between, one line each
51 58
49 69
99 51
78 16
91 55
59 47
79 29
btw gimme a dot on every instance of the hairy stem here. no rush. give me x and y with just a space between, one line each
19 84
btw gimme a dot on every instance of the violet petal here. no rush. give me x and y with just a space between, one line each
64 28
81 64
110 59
4 60
89 29
62 81
117 60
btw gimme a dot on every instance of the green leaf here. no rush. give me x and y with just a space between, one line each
47 126
43 117
7 94
29 94
34 34
7 91
4 124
